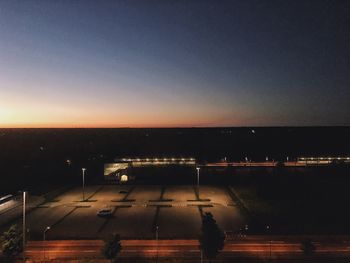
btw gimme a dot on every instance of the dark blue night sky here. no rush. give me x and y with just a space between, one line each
174 63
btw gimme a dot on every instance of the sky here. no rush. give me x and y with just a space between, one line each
174 63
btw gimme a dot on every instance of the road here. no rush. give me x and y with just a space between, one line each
248 247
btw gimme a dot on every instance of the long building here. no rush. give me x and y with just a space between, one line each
119 170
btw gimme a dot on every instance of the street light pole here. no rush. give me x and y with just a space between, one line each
270 241
157 242
83 169
44 239
24 226
198 180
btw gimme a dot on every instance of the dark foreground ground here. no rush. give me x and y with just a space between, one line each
290 201
311 203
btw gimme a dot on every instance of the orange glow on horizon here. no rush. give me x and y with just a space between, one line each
53 117
114 124
109 125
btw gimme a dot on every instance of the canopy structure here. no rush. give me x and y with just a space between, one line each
120 168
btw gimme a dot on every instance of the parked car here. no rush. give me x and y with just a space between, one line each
105 213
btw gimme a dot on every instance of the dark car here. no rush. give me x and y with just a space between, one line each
105 213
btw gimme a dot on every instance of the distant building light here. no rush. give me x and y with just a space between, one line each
124 178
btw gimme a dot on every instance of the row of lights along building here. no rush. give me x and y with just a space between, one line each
118 171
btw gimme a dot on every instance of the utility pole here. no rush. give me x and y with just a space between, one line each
83 169
157 242
24 226
44 241
198 168
270 241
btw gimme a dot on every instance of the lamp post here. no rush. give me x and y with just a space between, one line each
24 226
44 239
83 169
157 242
198 168
270 241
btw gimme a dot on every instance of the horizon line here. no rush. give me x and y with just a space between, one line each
179 127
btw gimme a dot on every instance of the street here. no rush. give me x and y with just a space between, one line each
252 247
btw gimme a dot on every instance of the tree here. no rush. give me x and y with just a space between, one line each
112 247
212 238
307 247
12 241
280 164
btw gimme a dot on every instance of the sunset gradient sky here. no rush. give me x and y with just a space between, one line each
174 63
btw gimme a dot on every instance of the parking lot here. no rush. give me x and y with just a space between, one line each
136 211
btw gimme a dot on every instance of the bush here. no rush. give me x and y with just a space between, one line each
12 241
112 247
